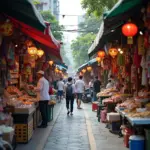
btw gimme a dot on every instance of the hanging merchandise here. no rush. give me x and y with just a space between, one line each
146 39
29 59
3 63
27 69
40 53
136 59
6 28
45 66
144 77
133 74
101 54
114 66
107 63
121 60
141 49
11 56
21 49
148 62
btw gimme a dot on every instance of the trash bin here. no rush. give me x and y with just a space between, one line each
137 142
50 112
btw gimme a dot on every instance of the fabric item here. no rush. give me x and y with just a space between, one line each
109 85
43 89
96 86
80 86
43 105
148 62
70 102
79 96
60 93
51 92
136 59
60 85
144 77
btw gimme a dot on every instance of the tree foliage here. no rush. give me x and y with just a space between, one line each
55 27
97 7
80 47
91 24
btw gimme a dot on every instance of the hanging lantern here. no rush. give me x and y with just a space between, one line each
113 52
89 68
32 51
51 62
129 30
28 43
40 53
56 70
7 28
101 54
98 59
60 72
83 70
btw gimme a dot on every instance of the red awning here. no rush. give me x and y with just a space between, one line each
47 39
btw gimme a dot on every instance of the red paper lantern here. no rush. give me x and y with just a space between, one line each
129 30
101 54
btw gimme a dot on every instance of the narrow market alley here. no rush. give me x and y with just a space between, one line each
81 131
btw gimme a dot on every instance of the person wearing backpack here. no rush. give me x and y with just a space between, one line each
70 91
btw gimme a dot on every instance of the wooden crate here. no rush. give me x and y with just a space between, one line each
24 132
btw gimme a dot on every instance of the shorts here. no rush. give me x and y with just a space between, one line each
79 96
60 93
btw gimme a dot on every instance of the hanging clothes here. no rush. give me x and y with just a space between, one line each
137 59
144 76
148 62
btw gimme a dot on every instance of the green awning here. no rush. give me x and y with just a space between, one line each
92 61
121 7
24 11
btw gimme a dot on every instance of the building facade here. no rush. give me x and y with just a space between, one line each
52 5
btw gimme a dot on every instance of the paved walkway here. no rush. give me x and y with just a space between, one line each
81 131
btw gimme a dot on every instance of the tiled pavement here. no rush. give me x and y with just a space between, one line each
72 133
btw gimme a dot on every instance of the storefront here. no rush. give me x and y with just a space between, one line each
25 47
124 38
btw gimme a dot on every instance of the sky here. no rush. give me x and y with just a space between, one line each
70 7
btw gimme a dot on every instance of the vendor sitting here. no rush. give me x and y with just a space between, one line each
110 84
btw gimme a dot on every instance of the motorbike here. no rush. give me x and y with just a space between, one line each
87 96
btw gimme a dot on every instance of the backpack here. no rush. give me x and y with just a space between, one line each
69 90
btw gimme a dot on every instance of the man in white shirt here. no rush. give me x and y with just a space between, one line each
44 97
80 88
60 86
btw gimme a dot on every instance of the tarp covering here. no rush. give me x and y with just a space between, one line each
92 61
24 11
113 19
47 39
121 7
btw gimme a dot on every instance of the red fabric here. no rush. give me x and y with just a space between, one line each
44 38
51 91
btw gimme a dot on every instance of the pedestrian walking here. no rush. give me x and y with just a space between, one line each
60 87
80 89
96 88
44 97
69 92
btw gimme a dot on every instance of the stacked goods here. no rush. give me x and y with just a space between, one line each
12 90
107 92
